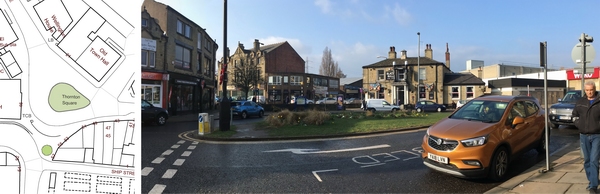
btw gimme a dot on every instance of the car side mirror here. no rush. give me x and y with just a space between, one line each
516 121
559 100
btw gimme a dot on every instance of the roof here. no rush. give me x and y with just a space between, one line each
350 80
523 82
266 48
462 79
399 61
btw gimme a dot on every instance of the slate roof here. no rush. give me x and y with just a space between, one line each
411 61
462 79
346 81
266 48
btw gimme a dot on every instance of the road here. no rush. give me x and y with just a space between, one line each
380 163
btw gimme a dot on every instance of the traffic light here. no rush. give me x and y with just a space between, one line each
587 39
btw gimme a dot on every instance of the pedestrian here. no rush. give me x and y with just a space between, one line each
364 105
587 114
287 100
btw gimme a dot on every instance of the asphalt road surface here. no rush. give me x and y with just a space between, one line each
380 163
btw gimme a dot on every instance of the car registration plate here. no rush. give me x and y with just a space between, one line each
440 159
564 118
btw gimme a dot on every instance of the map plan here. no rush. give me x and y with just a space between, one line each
67 96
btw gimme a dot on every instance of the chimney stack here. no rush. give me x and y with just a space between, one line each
447 56
256 45
428 51
480 73
392 53
403 54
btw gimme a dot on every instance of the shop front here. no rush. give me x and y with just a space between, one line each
153 85
184 94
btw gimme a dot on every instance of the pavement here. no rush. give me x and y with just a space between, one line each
566 174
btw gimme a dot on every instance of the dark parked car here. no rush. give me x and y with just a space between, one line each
154 114
429 106
246 108
560 114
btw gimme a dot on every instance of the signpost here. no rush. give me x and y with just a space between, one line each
581 55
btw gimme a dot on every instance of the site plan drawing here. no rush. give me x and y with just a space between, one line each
67 96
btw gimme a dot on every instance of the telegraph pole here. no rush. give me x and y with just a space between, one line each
418 69
224 116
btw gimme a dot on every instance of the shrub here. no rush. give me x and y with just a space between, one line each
315 117
369 113
276 109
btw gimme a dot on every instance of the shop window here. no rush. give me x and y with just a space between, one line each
285 80
308 80
470 93
422 92
455 92
380 74
274 80
152 94
423 73
381 94
296 80
431 95
182 57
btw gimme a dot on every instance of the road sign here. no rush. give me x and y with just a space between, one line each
590 54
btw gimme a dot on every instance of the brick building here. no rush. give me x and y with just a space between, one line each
187 59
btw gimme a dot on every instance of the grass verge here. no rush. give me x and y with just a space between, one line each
345 125
223 134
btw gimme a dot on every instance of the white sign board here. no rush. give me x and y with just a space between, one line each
320 89
148 44
590 54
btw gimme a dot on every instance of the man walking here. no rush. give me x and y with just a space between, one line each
587 109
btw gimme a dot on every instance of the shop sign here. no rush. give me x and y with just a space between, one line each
572 76
185 82
320 89
152 75
390 75
148 44
230 87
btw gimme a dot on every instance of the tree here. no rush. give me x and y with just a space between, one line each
246 77
329 67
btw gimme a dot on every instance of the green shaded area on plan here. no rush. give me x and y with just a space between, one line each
47 150
63 97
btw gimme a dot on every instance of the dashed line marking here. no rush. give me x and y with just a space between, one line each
169 174
146 171
186 153
175 146
168 152
191 147
178 162
158 160
372 165
319 178
157 189
195 143
181 142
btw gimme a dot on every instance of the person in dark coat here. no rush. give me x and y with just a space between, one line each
587 115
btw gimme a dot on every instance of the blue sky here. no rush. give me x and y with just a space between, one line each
357 31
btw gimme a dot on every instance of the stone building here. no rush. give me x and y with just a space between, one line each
188 60
154 84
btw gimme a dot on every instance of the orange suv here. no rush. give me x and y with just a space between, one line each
480 139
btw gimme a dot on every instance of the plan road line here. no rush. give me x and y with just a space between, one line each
319 178
310 151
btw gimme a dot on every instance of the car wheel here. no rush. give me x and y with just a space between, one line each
499 164
244 115
371 109
553 126
161 119
439 109
260 114
541 148
394 110
419 110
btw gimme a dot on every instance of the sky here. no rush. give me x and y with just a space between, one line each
357 31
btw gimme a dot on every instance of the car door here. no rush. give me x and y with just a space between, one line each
386 106
147 110
536 122
249 108
516 137
429 106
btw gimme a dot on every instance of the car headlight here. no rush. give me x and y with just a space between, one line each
552 111
478 141
428 131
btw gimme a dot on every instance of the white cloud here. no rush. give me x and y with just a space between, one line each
399 14
325 5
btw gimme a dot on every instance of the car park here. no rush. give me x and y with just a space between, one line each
381 105
243 109
481 138
561 113
154 114
429 106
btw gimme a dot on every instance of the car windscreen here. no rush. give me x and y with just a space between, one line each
233 104
571 96
480 110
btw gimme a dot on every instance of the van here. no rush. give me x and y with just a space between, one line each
381 105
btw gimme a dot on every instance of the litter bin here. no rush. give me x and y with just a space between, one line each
203 124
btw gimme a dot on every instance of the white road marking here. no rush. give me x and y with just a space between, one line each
157 189
559 149
191 147
158 160
372 165
178 162
186 153
146 171
181 142
416 155
168 152
319 178
169 174
195 143
175 146
308 151
367 163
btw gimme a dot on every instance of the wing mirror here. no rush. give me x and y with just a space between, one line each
516 121
559 100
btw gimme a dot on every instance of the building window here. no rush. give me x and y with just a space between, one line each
188 31
199 44
285 80
422 92
144 22
381 94
333 84
380 75
431 95
295 80
182 57
274 80
470 93
148 58
423 73
258 61
153 94
455 92
207 65
400 76
179 27
308 80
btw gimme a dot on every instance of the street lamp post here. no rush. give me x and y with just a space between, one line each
224 116
418 68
